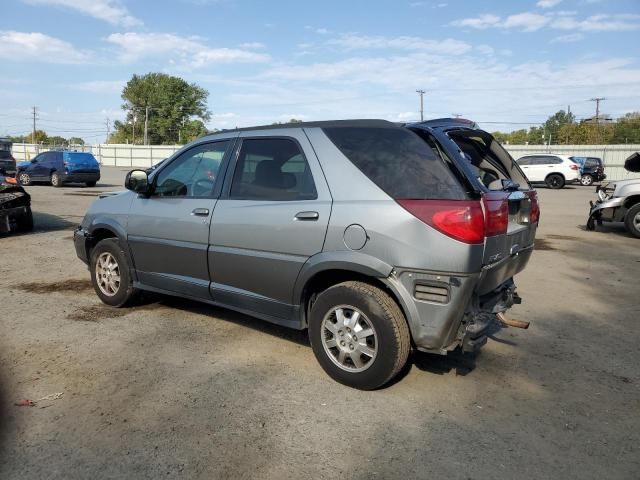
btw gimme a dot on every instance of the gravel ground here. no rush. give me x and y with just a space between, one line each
177 389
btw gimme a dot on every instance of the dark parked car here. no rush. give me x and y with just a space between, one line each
376 238
60 167
591 170
7 162
15 207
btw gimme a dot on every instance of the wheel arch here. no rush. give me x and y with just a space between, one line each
555 173
325 270
631 201
101 229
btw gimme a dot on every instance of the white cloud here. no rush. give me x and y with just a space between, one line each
440 47
565 20
528 22
485 20
599 23
185 51
111 11
548 3
18 46
100 86
572 37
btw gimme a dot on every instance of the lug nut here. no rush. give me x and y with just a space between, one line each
351 346
355 339
342 343
348 330
340 332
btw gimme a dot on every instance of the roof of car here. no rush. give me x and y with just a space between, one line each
322 124
446 122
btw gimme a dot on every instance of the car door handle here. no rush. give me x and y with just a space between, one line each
200 212
307 216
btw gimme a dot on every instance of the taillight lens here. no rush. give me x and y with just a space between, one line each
497 215
534 213
459 219
573 166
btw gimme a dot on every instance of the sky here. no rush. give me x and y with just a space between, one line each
507 64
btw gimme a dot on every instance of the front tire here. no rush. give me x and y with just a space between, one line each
25 223
586 180
359 335
555 181
632 220
56 181
110 274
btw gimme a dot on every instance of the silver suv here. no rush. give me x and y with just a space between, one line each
377 238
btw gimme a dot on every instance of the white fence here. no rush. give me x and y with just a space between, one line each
147 155
107 154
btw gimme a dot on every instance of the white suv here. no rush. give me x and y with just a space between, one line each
554 170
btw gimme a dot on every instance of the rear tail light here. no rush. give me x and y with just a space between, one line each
459 219
496 215
534 213
573 166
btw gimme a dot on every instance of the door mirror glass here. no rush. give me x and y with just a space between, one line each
137 181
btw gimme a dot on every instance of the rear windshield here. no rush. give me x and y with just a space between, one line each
80 158
398 162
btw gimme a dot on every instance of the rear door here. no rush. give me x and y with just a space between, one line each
168 232
271 218
514 204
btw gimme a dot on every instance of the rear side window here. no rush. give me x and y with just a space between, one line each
524 161
553 160
397 161
272 169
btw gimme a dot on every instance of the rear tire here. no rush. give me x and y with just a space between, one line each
342 313
555 181
632 220
586 180
110 275
24 178
91 184
56 181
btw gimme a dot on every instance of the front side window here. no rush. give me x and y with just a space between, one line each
273 169
194 173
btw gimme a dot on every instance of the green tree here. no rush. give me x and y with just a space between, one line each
554 123
627 129
56 140
76 141
172 104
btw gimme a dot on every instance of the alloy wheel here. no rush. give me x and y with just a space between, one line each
349 338
108 274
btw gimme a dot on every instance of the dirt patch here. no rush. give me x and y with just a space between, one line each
86 194
542 244
560 237
95 313
71 285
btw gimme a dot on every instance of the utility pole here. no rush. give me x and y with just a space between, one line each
133 131
421 93
146 121
33 134
108 130
598 100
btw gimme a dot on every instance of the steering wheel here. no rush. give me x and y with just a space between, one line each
202 187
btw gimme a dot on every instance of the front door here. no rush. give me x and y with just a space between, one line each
271 218
168 232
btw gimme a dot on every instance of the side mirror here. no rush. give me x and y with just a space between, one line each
137 181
